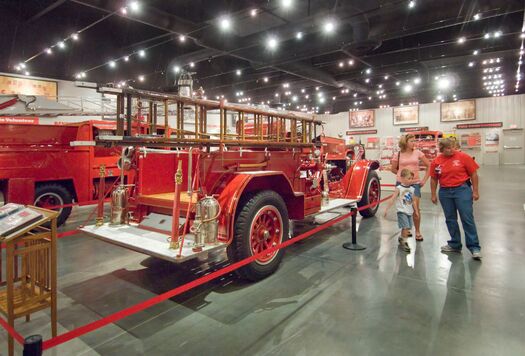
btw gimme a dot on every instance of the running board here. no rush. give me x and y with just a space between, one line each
149 242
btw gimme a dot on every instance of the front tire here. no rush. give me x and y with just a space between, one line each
261 222
52 194
371 194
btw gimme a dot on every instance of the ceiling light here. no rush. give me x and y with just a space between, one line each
497 34
333 98
253 12
112 64
294 98
176 69
322 100
351 62
522 35
22 65
461 40
411 4
225 23
443 83
397 84
141 78
341 64
49 51
286 3
486 36
74 36
126 58
123 10
303 90
27 73
329 27
276 95
367 80
286 85
368 71
386 77
61 45
182 38
238 72
417 80
272 43
299 35
192 64
408 88
477 17
471 64
142 53
134 6
476 52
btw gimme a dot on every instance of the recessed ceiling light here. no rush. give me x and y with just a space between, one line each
461 40
299 35
351 62
49 51
476 52
265 79
486 36
477 16
471 64
286 3
74 36
142 53
408 88
182 38
253 12
329 27
341 64
411 4
192 64
368 71
126 58
112 64
176 69
141 78
225 23
272 43
238 72
61 45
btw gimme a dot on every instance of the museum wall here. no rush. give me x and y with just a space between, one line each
510 110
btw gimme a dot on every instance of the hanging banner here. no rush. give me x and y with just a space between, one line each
361 132
480 125
412 129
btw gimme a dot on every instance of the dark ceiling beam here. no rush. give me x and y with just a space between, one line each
46 10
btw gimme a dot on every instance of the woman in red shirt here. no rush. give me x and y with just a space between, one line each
409 158
456 174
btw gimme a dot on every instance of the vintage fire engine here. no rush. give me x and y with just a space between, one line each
428 142
236 188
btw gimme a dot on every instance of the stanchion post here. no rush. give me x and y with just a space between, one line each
33 345
354 246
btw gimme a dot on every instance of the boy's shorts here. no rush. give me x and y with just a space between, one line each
404 221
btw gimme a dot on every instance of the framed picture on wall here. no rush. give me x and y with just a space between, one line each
458 111
362 118
406 115
25 86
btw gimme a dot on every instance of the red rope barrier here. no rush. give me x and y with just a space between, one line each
67 336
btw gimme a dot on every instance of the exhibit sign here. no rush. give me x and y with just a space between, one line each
24 86
362 118
413 129
471 140
406 115
458 111
480 125
21 120
361 132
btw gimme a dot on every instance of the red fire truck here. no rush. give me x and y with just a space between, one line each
235 189
52 165
427 142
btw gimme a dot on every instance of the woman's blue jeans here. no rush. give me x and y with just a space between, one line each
454 200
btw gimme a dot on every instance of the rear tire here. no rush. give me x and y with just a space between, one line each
371 194
261 222
52 194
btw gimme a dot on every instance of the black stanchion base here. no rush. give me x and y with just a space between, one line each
33 345
353 246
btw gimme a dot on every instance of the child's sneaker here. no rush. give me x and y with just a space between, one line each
404 244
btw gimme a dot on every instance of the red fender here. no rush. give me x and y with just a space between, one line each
245 182
355 178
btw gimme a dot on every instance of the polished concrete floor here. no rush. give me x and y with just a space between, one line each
324 300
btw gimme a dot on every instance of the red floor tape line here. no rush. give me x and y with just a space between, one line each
67 336
19 338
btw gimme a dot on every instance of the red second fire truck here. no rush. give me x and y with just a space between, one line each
238 188
53 165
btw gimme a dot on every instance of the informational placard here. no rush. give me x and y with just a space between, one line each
471 140
15 85
480 125
492 140
361 132
372 143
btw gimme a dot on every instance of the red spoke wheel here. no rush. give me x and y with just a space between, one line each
52 196
261 222
371 195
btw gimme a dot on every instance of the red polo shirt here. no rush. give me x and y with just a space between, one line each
453 171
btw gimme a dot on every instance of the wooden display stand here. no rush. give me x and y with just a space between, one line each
31 272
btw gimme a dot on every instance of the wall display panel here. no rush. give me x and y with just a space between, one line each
406 115
492 140
14 85
458 111
363 118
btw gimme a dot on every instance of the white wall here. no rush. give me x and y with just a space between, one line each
508 109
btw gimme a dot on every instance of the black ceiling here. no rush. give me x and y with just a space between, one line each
386 36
